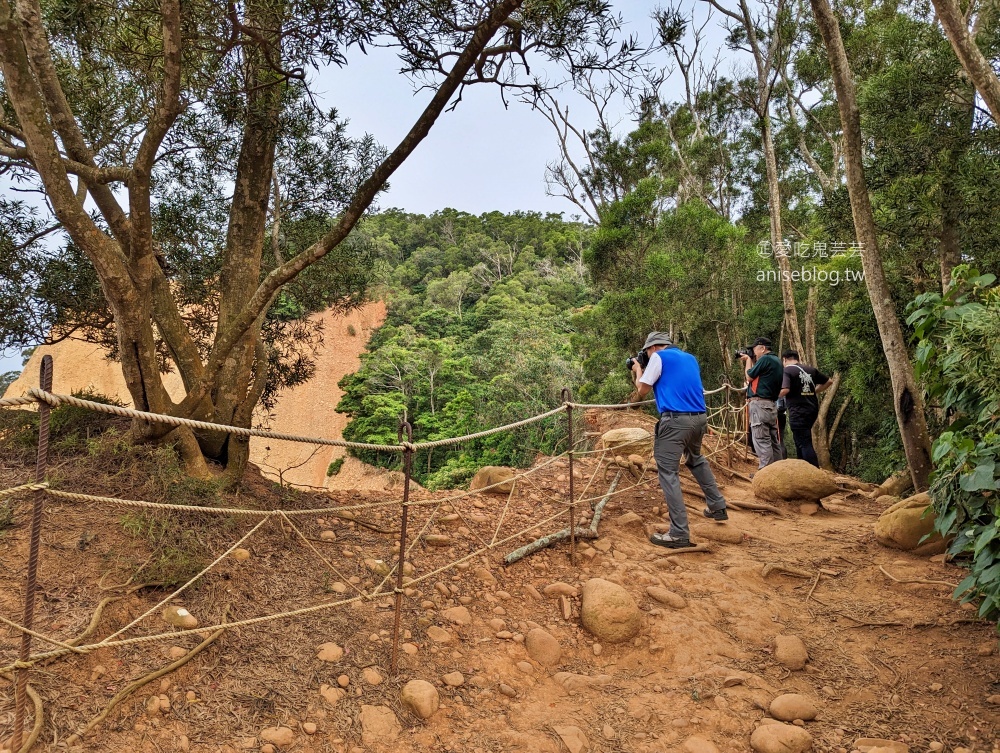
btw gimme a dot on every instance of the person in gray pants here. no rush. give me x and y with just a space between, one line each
764 377
675 380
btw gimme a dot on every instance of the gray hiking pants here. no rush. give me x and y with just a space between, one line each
764 430
677 434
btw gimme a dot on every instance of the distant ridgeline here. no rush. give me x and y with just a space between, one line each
477 335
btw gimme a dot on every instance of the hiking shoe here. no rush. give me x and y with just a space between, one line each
663 539
716 514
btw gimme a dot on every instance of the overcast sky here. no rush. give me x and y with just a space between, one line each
478 158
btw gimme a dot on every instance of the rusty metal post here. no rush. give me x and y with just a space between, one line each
404 426
566 397
30 583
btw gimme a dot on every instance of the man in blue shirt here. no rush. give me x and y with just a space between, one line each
675 380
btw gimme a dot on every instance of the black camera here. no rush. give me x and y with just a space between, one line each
748 352
642 358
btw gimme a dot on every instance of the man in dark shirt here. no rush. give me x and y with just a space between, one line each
799 386
763 385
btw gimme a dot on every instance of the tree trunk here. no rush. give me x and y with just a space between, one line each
820 436
812 306
973 61
950 250
241 269
777 241
907 399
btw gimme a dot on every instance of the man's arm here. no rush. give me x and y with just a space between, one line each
822 382
786 383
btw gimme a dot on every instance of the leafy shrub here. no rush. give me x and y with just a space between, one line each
335 467
958 357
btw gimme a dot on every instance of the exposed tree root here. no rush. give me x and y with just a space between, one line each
134 686
917 580
36 729
581 533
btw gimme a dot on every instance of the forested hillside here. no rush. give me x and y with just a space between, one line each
478 334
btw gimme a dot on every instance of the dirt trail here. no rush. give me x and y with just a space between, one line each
899 661
307 410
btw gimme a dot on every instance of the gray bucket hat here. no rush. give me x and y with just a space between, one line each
657 338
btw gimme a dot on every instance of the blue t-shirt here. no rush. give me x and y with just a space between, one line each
676 381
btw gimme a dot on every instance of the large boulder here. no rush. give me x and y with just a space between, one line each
628 441
609 612
500 478
906 522
793 481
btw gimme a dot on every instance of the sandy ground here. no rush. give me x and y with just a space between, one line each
308 410
887 659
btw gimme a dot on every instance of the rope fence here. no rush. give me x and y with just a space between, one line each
726 420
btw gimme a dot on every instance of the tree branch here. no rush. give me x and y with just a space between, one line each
359 204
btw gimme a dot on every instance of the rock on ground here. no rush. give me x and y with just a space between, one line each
542 647
790 651
905 523
792 481
696 744
668 598
420 698
573 738
180 617
493 474
379 725
329 652
780 738
609 611
870 744
458 615
631 440
280 736
791 706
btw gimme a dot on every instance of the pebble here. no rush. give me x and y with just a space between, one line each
526 667
379 725
327 535
371 675
884 746
934 687
268 748
496 624
609 732
780 738
454 679
309 728
176 652
483 574
507 690
409 648
437 539
993 700
241 555
343 681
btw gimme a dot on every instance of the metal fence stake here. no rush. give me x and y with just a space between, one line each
30 583
566 397
407 471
